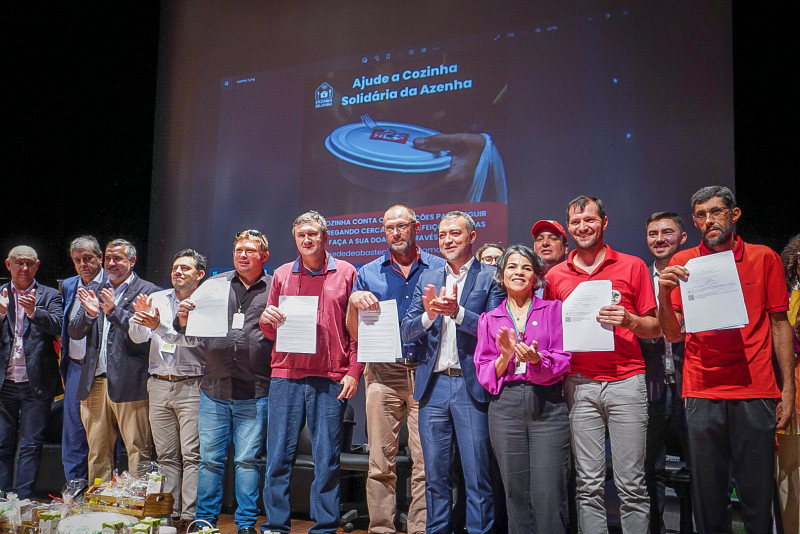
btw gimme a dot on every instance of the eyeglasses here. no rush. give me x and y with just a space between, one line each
714 213
489 260
402 227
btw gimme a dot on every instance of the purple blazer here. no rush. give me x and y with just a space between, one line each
543 325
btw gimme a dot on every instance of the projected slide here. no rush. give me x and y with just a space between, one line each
631 104
415 142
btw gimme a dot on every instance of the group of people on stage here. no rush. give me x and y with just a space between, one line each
483 374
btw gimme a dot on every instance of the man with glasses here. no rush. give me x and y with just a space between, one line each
728 378
30 320
235 387
390 386
489 253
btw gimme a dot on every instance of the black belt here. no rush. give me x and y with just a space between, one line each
175 378
408 362
452 371
101 375
79 362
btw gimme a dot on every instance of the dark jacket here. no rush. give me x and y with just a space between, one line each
39 333
127 361
479 295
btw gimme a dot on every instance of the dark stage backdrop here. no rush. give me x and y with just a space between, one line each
82 145
261 115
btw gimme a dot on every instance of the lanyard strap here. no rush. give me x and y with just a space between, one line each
520 335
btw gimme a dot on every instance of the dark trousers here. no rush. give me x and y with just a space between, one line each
74 449
666 420
529 428
21 417
447 412
732 438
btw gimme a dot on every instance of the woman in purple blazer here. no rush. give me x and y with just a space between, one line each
520 360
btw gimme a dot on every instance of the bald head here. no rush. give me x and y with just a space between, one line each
22 263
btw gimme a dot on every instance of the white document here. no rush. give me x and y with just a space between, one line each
209 318
379 334
582 331
712 296
298 333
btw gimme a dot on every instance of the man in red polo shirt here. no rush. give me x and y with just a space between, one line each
728 379
607 390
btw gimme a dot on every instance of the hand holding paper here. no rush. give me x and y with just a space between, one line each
298 331
379 334
209 317
580 318
712 294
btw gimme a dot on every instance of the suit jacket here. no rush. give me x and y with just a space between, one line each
479 295
38 336
69 292
653 354
127 361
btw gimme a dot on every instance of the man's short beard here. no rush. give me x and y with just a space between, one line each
724 235
404 247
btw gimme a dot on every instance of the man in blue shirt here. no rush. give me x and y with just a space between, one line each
390 386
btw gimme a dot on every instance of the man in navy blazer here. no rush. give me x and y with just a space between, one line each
444 314
30 320
113 383
87 256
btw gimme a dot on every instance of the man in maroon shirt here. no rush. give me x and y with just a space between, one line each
309 387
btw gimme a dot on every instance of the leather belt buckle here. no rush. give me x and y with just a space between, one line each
174 378
408 362
452 371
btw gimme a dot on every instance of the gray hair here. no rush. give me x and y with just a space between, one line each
311 216
467 219
130 250
704 194
22 250
411 213
83 242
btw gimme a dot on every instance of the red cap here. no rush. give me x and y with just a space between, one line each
546 224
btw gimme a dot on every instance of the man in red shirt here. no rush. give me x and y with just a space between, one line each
728 379
606 390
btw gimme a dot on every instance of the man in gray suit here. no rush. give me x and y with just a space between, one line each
113 383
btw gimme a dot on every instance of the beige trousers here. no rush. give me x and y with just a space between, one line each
389 398
101 416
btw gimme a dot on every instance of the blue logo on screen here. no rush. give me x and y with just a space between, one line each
323 96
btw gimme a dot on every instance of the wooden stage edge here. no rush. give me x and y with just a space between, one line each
227 526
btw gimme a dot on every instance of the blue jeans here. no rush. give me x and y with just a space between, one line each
25 416
74 449
295 402
448 412
245 422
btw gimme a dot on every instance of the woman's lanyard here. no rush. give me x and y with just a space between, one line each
520 335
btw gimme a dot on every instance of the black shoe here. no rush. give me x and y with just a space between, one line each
246 530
